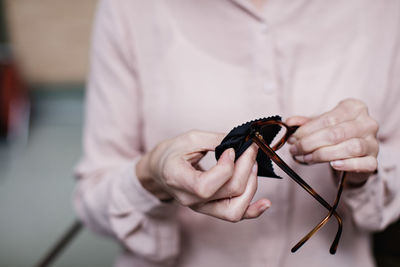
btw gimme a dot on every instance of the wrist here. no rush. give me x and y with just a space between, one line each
146 179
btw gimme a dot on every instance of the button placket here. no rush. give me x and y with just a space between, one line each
266 61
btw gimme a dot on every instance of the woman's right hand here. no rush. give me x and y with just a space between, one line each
225 191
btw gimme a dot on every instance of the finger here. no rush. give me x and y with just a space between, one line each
297 120
205 184
328 136
325 120
199 143
244 166
184 198
231 209
352 148
184 177
346 110
203 141
257 208
362 164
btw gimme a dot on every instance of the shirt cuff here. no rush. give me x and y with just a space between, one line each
129 195
370 203
359 195
145 225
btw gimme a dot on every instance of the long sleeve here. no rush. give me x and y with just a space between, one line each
377 204
109 198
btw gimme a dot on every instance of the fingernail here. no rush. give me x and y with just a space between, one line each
293 149
231 154
337 163
255 167
292 140
307 158
265 206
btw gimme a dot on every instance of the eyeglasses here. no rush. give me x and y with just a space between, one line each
284 132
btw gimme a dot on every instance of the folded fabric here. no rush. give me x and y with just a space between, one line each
236 139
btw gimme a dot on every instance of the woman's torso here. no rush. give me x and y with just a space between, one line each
212 65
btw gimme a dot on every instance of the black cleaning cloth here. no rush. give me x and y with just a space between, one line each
236 140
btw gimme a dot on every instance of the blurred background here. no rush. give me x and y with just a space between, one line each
44 47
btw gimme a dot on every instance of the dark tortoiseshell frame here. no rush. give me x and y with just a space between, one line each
257 138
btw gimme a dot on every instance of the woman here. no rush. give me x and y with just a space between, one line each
161 69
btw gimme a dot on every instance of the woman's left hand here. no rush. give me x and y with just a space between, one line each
345 137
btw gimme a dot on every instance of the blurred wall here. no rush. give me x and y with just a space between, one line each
50 38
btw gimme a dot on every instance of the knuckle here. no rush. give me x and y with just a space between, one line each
354 164
168 178
347 101
236 188
302 145
191 136
336 134
227 170
375 147
330 121
163 146
202 191
353 103
358 104
356 147
233 217
374 126
160 146
169 181
373 164
353 106
318 155
186 201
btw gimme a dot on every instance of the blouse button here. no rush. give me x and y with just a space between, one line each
269 87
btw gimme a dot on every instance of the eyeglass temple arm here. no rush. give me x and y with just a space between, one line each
257 138
335 242
274 157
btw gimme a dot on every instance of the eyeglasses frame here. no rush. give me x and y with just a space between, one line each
270 152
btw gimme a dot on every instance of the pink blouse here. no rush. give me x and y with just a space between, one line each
161 68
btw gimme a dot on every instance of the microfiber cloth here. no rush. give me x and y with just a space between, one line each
236 140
